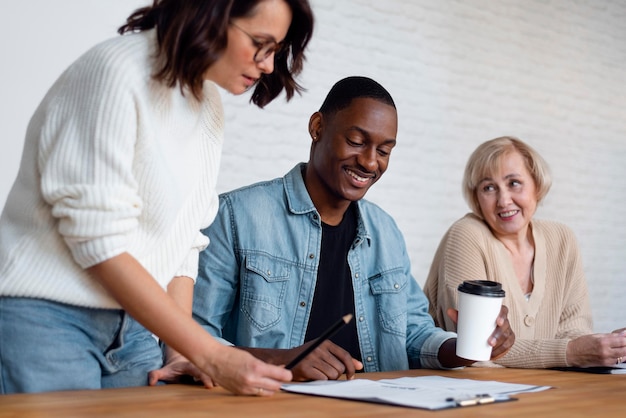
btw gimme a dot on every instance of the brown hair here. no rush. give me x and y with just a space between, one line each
487 158
192 34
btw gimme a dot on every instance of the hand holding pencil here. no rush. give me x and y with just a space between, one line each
323 360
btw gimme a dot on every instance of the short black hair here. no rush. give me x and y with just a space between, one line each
355 87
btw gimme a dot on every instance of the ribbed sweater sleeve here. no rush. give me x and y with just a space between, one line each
558 309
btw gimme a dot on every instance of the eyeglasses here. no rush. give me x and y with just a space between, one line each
263 48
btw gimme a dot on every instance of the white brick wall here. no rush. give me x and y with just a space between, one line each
549 71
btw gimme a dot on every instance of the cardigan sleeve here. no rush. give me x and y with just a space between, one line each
576 318
459 257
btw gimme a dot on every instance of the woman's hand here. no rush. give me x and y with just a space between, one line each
597 349
241 373
236 370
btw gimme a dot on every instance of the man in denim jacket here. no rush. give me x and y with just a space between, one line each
290 256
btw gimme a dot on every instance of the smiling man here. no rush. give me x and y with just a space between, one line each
289 257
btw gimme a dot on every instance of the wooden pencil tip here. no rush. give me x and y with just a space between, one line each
347 318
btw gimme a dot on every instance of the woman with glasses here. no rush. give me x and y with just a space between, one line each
100 235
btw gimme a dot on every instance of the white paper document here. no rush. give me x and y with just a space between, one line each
427 392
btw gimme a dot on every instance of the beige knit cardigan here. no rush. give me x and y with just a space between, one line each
558 309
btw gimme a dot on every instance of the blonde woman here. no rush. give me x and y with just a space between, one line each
538 262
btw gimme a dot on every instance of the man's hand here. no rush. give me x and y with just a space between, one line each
502 339
176 368
326 362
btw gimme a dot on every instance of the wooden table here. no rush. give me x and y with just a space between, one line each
573 395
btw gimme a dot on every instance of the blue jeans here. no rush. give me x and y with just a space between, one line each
46 346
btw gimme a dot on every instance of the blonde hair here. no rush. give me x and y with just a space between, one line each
486 159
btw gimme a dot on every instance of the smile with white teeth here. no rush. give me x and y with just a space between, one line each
357 177
507 214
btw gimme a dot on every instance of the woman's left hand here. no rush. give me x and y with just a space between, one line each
597 349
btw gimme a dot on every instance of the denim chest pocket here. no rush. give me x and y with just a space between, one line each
264 285
389 290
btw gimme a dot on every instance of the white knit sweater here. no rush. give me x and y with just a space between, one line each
113 162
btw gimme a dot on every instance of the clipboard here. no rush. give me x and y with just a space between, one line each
595 369
480 399
428 392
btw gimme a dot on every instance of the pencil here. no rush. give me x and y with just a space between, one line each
326 335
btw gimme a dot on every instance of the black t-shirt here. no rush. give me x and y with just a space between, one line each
334 295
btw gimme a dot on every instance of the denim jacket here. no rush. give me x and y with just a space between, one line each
257 277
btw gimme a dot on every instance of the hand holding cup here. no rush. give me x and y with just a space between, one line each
480 302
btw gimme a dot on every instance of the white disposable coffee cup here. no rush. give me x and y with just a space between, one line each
479 306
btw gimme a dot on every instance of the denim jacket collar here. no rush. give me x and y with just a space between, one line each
300 202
